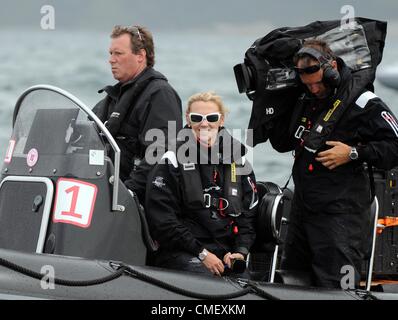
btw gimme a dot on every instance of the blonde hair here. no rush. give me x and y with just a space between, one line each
209 96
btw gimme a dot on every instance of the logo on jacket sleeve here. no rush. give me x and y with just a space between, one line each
389 118
158 182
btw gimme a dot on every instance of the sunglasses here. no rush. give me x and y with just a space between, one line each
308 70
133 30
211 117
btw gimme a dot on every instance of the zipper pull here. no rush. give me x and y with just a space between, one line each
214 175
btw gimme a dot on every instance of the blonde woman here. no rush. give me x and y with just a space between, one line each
202 211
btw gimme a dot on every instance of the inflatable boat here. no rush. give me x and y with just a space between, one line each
70 229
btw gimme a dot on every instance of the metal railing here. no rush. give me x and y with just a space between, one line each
101 126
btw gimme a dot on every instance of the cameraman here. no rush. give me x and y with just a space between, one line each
330 211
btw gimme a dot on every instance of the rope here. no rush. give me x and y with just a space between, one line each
63 282
124 269
187 293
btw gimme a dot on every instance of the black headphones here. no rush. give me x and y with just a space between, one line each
331 77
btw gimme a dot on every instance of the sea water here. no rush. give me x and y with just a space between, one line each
192 61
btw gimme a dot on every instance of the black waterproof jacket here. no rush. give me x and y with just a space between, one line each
367 124
132 108
178 226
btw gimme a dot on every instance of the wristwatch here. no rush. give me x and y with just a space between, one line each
353 153
203 254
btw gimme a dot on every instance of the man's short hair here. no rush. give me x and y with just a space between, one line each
316 44
141 38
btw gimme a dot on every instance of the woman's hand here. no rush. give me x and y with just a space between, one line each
213 264
232 256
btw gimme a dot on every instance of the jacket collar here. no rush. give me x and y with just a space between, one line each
114 91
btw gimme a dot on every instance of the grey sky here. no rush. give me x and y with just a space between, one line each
172 15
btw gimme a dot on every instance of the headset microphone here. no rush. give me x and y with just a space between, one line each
331 77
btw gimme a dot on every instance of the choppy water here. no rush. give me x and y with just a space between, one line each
77 62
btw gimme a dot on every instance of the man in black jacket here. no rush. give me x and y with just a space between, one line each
140 101
330 211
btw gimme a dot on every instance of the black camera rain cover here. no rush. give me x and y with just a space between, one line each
360 44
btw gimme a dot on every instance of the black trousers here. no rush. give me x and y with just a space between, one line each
322 243
185 261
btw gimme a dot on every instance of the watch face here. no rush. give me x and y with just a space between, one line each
202 255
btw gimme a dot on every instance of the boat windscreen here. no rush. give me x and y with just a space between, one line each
52 135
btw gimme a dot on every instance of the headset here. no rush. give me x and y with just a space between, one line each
331 77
